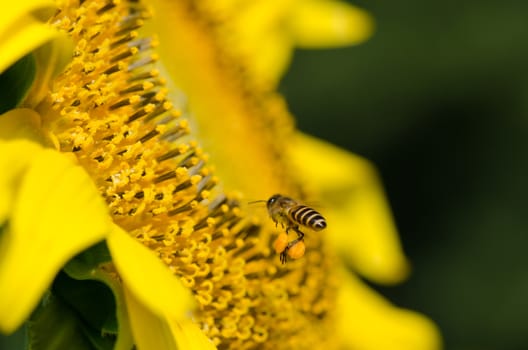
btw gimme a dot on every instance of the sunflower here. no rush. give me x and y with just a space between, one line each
122 184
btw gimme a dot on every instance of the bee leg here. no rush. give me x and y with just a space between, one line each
284 256
300 235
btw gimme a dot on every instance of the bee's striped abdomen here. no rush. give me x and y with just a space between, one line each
308 217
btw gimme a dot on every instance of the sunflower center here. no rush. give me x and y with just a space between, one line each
110 109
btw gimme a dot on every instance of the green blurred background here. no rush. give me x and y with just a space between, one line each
438 100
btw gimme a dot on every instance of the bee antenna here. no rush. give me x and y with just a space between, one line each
259 201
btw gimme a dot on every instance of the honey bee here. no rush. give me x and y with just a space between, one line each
292 215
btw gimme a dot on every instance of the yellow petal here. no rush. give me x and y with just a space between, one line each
21 123
124 339
271 56
189 336
50 60
190 57
360 225
318 24
149 328
17 9
14 160
157 302
260 37
54 212
147 278
21 31
377 324
155 331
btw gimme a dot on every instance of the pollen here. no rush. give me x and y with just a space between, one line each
297 250
110 109
280 243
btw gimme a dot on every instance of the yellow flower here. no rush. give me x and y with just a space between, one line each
51 210
115 131
261 35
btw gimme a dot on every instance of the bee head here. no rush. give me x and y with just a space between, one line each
272 200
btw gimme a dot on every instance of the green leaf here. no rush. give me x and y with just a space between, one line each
98 342
16 81
92 300
16 340
54 326
83 265
82 284
94 266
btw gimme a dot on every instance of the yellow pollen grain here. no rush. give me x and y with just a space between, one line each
181 172
195 179
147 85
122 66
176 114
167 105
211 222
205 194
